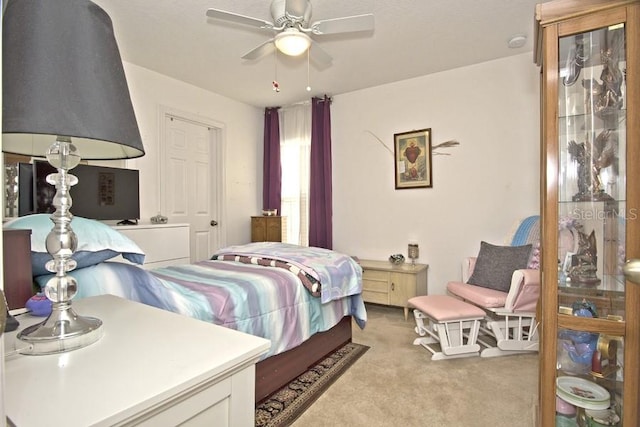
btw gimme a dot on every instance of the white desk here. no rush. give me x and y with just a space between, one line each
152 367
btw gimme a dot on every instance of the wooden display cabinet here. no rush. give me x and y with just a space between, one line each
589 55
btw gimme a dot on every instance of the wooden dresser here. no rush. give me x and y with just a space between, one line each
388 284
18 286
267 228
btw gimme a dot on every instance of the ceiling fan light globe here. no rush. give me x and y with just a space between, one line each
292 42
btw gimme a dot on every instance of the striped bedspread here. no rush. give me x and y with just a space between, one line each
263 301
328 273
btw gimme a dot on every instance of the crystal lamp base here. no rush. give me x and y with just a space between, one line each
64 330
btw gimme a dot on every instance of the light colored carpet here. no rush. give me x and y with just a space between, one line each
397 383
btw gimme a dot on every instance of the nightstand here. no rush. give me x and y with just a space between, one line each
388 284
268 228
151 367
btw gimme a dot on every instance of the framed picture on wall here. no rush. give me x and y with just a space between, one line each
412 158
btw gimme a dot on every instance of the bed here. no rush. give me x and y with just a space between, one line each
302 299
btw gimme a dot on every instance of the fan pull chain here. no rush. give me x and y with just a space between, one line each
308 72
274 83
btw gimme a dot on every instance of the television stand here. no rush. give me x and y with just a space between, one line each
127 222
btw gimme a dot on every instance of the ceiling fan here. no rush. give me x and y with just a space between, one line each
291 25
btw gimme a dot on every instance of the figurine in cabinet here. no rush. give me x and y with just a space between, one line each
606 147
584 262
577 59
606 97
611 94
591 159
611 76
589 183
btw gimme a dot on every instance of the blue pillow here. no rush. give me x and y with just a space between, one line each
97 242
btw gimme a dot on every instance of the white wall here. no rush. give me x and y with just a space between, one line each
487 183
243 130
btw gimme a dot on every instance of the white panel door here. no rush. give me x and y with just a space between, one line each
191 186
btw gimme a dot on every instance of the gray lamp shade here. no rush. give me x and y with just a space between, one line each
62 75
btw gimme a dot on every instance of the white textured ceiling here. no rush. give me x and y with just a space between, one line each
411 38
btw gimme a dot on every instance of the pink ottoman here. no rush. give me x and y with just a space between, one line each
449 323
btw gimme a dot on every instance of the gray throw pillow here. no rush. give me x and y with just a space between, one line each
495 265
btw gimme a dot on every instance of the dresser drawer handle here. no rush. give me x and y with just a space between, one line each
393 286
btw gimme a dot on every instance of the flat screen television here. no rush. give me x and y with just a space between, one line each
102 193
25 189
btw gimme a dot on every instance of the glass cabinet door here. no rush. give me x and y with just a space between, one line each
592 212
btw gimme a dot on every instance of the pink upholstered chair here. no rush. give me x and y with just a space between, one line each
510 324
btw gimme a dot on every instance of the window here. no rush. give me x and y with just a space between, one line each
295 147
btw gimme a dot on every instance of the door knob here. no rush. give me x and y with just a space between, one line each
631 270
213 223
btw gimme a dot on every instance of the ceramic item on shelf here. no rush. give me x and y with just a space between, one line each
565 408
396 259
562 421
582 393
269 212
602 418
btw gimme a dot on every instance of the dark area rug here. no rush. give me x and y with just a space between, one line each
284 406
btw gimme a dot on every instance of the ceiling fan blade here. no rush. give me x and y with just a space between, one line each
348 24
239 19
262 50
319 55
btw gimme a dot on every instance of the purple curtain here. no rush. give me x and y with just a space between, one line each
272 171
320 193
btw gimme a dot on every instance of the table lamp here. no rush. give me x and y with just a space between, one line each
64 95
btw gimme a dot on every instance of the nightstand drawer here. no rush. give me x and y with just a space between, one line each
375 285
375 275
375 297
